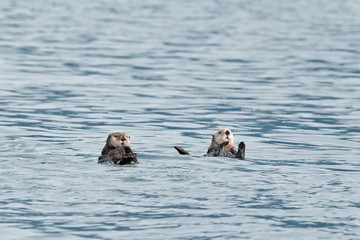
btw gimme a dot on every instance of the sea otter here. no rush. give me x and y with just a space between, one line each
222 145
117 149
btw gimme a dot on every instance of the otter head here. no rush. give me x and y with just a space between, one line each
118 139
223 135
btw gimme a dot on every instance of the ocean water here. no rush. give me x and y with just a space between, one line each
283 75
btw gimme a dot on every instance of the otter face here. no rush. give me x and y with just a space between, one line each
223 135
118 139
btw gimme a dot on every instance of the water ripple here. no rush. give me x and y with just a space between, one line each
283 77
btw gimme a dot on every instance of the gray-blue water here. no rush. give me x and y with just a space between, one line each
283 75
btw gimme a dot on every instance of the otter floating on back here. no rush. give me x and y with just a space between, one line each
117 149
222 145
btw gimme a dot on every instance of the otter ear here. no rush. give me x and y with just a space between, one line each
213 137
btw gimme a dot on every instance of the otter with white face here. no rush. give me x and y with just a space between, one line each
117 149
222 145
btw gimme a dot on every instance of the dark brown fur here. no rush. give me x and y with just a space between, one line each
117 149
120 156
222 145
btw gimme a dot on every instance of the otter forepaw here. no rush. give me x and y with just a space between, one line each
224 144
131 155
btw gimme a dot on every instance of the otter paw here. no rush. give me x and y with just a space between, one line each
241 151
131 155
241 147
224 144
181 150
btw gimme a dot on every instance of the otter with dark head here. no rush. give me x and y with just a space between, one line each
222 145
117 149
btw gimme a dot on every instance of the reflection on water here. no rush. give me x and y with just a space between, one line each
283 76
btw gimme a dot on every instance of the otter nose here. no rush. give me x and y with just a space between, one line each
123 139
227 132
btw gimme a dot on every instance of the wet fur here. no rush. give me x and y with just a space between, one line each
117 149
222 145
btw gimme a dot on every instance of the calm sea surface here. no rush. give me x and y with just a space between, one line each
283 75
